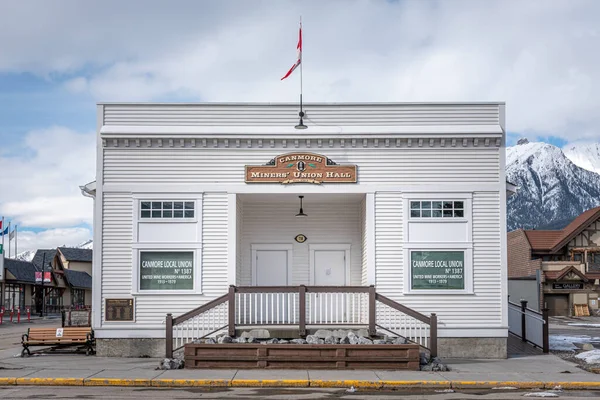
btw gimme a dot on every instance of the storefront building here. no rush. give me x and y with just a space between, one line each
566 263
193 198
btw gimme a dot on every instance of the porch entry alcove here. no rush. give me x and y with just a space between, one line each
291 286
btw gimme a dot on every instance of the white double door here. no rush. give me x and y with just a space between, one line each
272 266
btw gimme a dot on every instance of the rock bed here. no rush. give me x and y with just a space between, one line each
321 336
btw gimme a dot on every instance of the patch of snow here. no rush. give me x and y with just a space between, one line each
541 394
445 391
565 343
88 244
590 357
505 388
351 390
26 255
585 155
584 324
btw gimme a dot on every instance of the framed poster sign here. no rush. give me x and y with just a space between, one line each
166 270
437 269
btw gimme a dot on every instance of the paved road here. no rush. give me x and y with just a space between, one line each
589 326
113 393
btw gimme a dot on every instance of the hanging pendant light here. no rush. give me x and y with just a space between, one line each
301 123
301 213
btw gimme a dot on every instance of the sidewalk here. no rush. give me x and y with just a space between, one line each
543 372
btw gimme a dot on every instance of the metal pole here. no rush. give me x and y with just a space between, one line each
523 320
42 294
301 62
169 336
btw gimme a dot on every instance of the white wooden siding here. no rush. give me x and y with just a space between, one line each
215 249
287 114
117 264
375 165
238 237
363 232
117 233
270 223
484 307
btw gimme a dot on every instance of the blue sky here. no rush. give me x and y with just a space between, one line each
57 59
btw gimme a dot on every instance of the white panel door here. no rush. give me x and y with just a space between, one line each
330 267
329 270
271 267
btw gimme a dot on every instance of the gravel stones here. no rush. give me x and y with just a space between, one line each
225 339
364 340
313 339
436 365
171 363
332 340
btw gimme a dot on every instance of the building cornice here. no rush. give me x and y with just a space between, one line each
479 141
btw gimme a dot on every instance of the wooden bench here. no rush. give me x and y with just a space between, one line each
59 338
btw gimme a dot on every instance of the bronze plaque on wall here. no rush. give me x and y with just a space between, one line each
119 309
301 168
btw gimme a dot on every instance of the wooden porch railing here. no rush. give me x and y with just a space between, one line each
301 306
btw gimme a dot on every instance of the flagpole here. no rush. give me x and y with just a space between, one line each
16 238
301 62
2 232
9 240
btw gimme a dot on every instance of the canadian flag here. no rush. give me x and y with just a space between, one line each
299 60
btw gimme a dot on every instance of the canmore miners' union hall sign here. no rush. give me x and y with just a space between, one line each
301 168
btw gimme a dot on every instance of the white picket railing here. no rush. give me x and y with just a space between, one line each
267 308
301 306
397 323
337 308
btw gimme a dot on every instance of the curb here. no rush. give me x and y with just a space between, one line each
358 384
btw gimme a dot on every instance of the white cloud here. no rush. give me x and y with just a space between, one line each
40 181
538 56
51 238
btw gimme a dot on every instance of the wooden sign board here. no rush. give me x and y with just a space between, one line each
301 168
77 318
567 285
119 309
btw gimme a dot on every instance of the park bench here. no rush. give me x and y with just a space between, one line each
58 338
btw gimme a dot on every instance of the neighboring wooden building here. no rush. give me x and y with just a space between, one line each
75 265
193 198
67 281
568 261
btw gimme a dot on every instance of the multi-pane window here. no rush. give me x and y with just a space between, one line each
166 209
77 297
437 209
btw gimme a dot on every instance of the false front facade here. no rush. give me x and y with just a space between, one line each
377 215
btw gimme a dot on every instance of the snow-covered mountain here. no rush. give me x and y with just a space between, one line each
586 156
28 255
552 189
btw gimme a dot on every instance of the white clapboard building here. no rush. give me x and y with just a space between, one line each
385 216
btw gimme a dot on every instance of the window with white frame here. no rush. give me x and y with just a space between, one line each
437 209
438 243
166 209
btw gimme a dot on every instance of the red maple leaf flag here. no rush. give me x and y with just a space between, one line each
299 60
